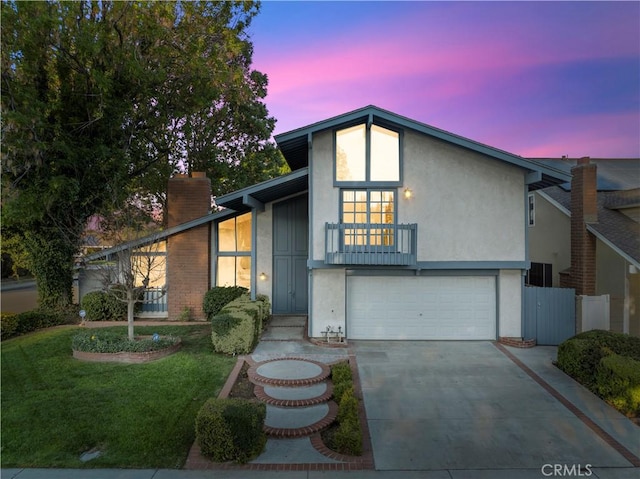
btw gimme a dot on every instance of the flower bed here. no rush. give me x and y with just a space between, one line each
108 346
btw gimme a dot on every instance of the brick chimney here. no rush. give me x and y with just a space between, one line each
584 211
188 261
188 198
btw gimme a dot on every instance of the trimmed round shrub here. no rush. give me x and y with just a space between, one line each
231 429
102 306
217 298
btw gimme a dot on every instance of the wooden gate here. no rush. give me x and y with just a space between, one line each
549 314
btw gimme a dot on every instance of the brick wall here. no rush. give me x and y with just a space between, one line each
188 261
584 210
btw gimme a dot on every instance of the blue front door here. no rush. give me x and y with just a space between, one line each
290 251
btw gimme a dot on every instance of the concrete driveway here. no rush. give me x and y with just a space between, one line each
466 405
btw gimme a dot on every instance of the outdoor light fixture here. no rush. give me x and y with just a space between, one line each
263 276
408 193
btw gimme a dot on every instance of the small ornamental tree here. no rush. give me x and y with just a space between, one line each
137 264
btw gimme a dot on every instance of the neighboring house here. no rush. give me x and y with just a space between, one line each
586 235
386 228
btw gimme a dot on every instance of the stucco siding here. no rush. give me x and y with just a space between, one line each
264 251
324 197
509 303
468 207
328 300
550 237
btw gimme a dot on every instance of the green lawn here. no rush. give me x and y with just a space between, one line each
55 407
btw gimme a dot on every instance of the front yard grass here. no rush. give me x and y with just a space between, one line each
55 408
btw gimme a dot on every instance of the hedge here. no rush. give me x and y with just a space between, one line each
12 325
217 298
237 327
231 429
348 436
608 364
618 380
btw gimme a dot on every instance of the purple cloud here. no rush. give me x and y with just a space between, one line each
537 79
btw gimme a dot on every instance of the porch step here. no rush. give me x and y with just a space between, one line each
284 321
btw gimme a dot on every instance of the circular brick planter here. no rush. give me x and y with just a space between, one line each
127 357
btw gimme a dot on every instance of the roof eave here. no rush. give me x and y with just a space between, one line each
294 144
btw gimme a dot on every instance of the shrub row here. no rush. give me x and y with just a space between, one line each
114 342
12 325
102 306
608 364
348 436
231 429
217 298
237 326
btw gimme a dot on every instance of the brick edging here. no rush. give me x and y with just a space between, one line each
261 394
294 432
517 342
256 378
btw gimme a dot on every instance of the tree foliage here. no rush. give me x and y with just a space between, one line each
104 100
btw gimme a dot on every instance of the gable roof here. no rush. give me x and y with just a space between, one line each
294 145
265 192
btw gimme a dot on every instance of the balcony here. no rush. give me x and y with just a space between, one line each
371 244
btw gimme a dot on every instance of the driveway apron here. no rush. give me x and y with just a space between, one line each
465 405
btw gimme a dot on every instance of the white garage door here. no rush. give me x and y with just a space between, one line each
421 307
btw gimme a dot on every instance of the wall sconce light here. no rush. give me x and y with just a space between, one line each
263 276
408 194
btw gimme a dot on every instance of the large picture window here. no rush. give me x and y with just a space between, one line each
367 154
365 214
233 267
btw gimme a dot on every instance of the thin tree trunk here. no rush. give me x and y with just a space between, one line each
131 303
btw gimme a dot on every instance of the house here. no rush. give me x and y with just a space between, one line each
386 228
586 235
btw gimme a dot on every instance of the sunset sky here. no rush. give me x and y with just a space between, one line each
538 79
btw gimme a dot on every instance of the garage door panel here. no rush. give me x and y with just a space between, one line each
419 307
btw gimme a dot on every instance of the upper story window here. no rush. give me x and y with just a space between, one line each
367 154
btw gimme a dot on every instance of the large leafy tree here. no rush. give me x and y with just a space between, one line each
104 100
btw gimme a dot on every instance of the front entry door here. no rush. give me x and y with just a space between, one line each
290 251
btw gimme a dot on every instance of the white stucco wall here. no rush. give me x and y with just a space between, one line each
328 305
468 207
324 198
264 251
510 303
550 237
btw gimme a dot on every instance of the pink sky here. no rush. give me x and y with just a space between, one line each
536 79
